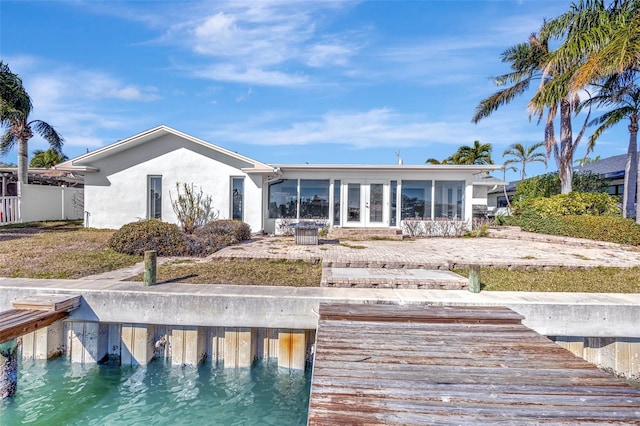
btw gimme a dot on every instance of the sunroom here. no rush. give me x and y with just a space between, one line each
369 196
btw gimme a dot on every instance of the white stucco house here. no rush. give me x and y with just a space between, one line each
136 178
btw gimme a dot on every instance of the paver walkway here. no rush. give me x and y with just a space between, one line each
440 253
508 249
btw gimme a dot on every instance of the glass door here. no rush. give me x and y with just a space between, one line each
375 204
367 203
354 204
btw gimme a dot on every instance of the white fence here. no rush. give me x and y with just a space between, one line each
9 209
41 202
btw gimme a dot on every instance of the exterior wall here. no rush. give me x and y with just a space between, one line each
375 176
41 202
480 195
117 194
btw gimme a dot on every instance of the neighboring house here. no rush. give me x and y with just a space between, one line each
49 195
136 178
611 168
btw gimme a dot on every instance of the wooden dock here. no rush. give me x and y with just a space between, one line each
390 364
35 312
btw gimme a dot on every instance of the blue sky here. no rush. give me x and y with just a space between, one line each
280 82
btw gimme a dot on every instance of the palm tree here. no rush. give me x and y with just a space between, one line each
624 98
587 160
15 107
436 161
528 62
523 154
507 168
47 159
479 153
605 43
610 44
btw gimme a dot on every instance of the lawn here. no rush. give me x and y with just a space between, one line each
596 280
57 250
241 272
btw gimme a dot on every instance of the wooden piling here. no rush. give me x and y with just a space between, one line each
150 263
474 278
8 368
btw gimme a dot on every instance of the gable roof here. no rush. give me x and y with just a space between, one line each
610 167
83 162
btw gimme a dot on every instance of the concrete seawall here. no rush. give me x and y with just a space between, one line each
568 317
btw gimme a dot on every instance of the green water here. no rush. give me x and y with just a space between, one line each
56 392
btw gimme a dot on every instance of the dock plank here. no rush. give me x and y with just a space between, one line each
49 302
386 364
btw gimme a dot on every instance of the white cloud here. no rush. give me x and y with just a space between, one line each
259 43
78 102
257 76
375 128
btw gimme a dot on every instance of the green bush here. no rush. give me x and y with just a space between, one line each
615 229
538 186
216 235
548 185
572 204
137 237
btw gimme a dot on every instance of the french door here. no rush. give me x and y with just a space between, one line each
366 203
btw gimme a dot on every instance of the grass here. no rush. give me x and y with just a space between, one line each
353 246
67 250
596 280
57 250
241 272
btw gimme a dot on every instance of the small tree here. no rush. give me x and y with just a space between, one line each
192 208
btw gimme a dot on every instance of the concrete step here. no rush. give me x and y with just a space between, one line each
366 233
406 278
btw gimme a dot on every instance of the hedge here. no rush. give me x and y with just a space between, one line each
614 229
571 204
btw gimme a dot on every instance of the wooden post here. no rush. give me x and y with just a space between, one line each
8 368
150 260
474 278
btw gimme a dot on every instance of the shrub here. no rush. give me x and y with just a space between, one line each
548 185
193 209
572 204
615 229
216 235
137 237
538 186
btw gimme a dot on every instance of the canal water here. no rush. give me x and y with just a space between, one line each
56 392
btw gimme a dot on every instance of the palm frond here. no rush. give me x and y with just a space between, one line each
49 134
7 142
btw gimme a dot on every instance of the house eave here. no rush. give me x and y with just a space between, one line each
385 168
85 160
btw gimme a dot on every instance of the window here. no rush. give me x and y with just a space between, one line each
154 197
416 199
314 198
336 202
237 198
502 201
392 204
353 202
283 199
449 199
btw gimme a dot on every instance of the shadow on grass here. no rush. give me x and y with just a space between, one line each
177 279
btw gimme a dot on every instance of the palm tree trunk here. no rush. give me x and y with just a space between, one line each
633 141
565 157
22 161
631 171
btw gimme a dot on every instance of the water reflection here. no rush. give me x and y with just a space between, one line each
60 393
